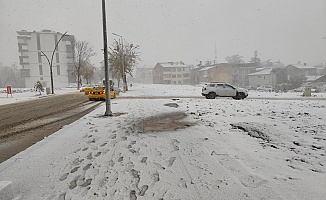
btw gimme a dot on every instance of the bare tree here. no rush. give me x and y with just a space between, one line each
122 59
235 59
88 72
10 75
255 59
83 52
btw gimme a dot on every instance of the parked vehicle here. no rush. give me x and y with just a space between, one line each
265 88
216 89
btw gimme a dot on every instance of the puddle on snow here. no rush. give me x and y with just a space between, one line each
165 122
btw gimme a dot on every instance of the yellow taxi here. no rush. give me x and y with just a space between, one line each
87 88
98 93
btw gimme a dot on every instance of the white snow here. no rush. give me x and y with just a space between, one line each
100 157
24 94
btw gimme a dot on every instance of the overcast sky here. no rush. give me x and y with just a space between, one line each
178 30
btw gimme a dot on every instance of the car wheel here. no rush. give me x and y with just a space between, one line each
238 96
242 95
211 95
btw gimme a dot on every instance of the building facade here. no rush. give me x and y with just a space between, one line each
301 69
263 77
235 74
36 67
175 73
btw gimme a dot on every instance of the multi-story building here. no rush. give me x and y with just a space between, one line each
36 67
175 73
301 69
236 74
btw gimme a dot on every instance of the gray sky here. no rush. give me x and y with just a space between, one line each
178 30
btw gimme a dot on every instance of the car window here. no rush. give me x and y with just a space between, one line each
211 85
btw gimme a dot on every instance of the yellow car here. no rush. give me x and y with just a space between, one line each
98 93
87 89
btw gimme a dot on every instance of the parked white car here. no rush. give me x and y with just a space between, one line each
216 89
265 88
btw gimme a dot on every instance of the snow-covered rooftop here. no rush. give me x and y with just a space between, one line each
303 66
174 64
262 72
313 78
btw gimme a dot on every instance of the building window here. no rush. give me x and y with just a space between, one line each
58 70
179 69
259 76
40 68
173 76
57 58
179 75
41 78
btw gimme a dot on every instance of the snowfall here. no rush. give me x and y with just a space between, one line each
267 146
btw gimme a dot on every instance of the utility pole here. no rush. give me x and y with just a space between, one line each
108 111
50 62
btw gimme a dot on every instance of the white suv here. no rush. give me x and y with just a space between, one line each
215 89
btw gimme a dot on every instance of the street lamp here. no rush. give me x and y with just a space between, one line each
50 63
123 64
108 111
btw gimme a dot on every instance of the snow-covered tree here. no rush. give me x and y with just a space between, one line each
39 87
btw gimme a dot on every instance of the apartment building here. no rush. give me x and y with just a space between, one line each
175 73
36 67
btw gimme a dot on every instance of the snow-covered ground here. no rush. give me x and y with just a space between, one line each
24 94
249 149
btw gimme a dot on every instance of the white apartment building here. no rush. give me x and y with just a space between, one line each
35 66
175 73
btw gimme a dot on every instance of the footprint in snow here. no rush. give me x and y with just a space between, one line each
64 176
133 195
183 183
89 156
143 160
87 166
143 189
171 161
74 169
156 177
102 145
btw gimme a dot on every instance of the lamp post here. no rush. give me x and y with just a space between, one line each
108 111
50 62
123 64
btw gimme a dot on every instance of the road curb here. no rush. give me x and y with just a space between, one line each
6 191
